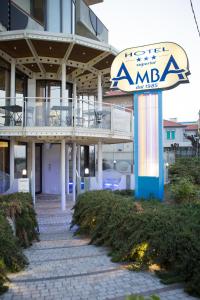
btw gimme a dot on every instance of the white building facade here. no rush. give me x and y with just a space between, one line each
54 68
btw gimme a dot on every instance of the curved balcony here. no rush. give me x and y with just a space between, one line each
77 119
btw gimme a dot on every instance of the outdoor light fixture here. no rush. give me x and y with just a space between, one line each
87 171
24 173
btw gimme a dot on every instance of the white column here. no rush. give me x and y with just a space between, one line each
74 172
100 174
33 171
12 83
12 167
79 160
75 101
62 179
99 92
67 169
29 158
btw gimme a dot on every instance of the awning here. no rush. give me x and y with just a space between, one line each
41 54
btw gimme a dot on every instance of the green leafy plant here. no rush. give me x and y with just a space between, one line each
19 208
138 297
11 256
183 190
144 233
185 167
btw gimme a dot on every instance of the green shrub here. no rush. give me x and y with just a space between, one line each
183 190
144 233
11 256
19 207
185 167
129 193
138 297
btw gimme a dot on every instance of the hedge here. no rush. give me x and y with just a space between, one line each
19 208
144 233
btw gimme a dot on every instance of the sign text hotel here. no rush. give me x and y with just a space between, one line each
156 66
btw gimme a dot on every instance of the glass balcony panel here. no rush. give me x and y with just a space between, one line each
119 117
11 112
88 24
61 112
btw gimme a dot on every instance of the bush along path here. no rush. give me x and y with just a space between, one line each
64 266
16 210
147 234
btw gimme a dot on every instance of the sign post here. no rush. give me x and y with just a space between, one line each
148 145
146 71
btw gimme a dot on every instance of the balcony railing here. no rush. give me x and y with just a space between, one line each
88 24
61 112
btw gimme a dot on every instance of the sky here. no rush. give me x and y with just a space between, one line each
133 23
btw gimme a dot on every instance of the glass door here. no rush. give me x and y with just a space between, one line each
4 166
38 168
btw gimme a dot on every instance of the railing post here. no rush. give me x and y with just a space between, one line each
74 102
63 88
99 92
23 112
112 118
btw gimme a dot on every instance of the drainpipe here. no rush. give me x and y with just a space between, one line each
74 102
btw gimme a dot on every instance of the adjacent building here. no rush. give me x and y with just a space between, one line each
120 157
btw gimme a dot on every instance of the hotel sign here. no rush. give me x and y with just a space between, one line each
156 66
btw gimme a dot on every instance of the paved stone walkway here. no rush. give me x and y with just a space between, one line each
66 267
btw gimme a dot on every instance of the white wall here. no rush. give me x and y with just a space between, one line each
51 169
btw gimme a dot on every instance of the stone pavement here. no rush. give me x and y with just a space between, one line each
66 267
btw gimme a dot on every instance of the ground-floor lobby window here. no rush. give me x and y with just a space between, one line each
20 155
4 166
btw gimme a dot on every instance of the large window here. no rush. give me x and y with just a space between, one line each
4 166
20 154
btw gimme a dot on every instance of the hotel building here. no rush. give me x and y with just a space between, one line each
54 69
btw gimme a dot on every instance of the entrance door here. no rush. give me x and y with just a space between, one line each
38 168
